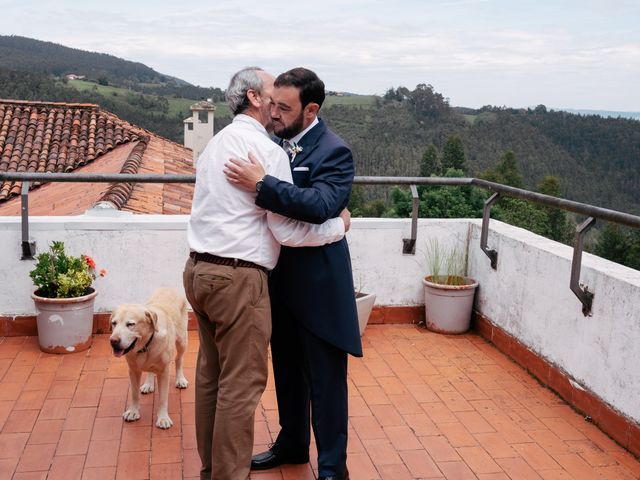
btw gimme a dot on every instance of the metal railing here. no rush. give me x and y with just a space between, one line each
591 212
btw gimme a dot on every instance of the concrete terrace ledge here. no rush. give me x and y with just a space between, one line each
525 307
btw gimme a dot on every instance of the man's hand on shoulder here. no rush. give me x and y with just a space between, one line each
345 215
244 173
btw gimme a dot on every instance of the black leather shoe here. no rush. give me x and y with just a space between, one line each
274 457
344 476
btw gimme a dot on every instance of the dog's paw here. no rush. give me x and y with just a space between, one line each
131 415
146 388
164 422
182 382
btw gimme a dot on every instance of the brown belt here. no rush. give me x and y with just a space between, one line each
230 262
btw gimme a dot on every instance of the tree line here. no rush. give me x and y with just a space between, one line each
616 243
417 133
597 159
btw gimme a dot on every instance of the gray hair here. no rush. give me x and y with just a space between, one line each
241 82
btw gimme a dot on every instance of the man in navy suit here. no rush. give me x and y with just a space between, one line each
313 305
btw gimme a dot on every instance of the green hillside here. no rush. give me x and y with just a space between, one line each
596 159
30 55
27 54
176 106
148 111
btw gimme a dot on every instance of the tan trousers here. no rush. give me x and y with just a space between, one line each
234 324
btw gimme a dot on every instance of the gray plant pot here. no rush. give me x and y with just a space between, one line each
448 308
65 325
364 304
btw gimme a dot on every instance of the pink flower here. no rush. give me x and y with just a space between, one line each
103 272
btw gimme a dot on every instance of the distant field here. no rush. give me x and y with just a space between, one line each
177 105
470 118
118 94
222 110
484 116
361 100
102 89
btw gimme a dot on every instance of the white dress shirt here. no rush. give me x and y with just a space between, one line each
225 220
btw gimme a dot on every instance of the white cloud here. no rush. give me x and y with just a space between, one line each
367 46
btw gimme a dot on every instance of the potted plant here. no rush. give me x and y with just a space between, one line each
448 292
364 305
64 299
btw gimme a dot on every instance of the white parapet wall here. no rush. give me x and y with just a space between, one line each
143 252
139 252
528 295
378 263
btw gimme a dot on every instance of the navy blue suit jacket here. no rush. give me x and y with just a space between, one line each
316 283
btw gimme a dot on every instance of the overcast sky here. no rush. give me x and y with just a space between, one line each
582 54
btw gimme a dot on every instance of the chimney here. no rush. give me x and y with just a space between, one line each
198 129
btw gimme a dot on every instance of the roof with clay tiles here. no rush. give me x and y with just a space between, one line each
70 137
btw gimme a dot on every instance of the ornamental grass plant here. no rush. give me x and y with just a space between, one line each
446 264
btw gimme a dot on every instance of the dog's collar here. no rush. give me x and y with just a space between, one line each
146 347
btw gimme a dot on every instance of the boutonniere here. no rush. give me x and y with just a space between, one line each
294 150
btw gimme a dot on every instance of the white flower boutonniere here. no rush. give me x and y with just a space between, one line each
294 150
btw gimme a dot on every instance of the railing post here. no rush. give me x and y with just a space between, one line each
409 244
28 248
583 294
486 216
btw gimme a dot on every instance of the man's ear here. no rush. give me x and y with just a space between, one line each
311 110
254 98
152 317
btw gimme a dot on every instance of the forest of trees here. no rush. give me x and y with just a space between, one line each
595 158
565 155
29 55
26 54
586 158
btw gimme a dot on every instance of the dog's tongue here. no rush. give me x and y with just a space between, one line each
120 352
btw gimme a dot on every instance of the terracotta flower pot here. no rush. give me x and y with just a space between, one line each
65 325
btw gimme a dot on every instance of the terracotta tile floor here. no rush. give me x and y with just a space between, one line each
422 406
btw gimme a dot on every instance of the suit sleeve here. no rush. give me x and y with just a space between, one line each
328 194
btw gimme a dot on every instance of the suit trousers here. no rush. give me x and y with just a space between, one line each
234 324
311 378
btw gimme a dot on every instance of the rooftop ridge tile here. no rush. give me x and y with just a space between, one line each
56 137
119 193
45 103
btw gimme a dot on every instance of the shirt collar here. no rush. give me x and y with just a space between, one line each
295 140
243 118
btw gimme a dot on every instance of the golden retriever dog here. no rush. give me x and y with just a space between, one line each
150 336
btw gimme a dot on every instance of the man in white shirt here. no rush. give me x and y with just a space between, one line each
313 308
233 244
